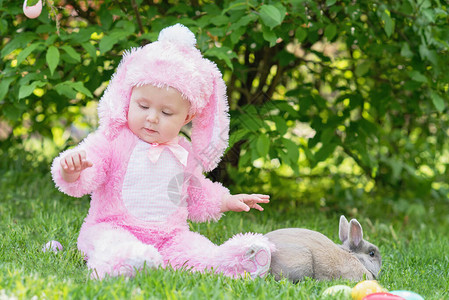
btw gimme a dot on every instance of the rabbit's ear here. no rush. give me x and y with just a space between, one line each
343 229
355 233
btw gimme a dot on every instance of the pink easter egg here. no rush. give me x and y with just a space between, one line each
34 11
54 246
382 296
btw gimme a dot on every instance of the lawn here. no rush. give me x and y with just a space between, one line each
414 249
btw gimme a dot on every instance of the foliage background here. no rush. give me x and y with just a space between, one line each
339 104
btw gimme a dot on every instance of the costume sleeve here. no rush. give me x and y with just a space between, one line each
97 151
204 201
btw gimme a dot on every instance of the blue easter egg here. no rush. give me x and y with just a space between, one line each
407 295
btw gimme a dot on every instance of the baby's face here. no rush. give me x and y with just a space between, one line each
156 115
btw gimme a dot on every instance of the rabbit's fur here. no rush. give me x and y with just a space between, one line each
305 253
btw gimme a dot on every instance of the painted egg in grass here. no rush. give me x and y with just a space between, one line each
34 11
407 295
54 246
382 296
364 288
340 291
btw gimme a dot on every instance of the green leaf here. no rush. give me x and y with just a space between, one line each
330 31
65 89
235 6
417 76
51 40
12 113
425 53
32 2
292 150
19 41
438 102
236 136
237 34
429 14
405 51
327 135
271 15
79 86
324 152
330 2
83 35
4 86
243 22
26 90
45 28
72 53
90 49
263 145
388 23
245 159
220 20
363 68
3 26
281 125
269 36
368 127
105 18
26 52
222 53
52 58
300 34
109 41
251 122
106 43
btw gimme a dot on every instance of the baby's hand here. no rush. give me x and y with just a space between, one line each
72 164
243 202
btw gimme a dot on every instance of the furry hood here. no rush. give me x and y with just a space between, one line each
173 61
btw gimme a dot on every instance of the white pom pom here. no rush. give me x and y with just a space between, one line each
178 34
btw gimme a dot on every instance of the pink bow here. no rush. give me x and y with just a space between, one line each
178 151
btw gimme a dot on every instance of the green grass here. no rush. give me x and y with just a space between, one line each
414 248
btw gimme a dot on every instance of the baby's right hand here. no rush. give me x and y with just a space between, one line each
75 162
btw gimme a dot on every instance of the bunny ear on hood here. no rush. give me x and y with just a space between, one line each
173 61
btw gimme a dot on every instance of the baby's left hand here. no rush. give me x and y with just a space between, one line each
243 202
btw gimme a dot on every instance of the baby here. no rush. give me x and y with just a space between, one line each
145 181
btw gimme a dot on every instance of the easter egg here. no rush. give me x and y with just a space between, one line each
341 291
382 296
407 295
54 246
365 288
34 11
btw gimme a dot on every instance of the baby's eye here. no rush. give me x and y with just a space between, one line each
143 106
167 113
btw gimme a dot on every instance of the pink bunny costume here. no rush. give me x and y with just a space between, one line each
119 236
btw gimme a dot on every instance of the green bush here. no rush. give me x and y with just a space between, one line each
350 94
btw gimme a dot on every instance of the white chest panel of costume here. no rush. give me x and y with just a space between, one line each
152 192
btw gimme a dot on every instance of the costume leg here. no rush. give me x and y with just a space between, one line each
243 253
115 251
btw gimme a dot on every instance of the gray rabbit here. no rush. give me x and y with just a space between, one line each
306 253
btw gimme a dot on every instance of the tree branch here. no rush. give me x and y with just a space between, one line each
136 11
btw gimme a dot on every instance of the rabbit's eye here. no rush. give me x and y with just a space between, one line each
371 253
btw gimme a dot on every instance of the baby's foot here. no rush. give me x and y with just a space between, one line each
138 257
257 260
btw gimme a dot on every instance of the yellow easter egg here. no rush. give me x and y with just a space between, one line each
365 288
